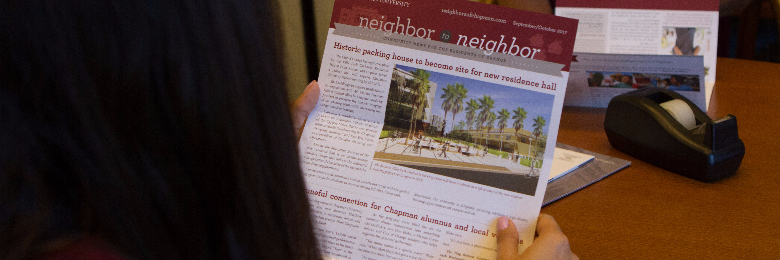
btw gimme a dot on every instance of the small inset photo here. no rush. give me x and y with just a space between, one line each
685 41
611 79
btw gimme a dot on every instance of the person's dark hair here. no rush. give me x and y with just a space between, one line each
161 127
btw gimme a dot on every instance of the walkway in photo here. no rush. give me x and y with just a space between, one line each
395 149
489 170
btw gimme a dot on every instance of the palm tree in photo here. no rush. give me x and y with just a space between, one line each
491 119
460 126
503 116
419 86
457 102
539 124
519 117
486 103
471 114
458 129
449 97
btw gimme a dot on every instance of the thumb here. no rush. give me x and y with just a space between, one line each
304 105
508 239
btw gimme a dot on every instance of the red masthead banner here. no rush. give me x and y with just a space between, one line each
475 25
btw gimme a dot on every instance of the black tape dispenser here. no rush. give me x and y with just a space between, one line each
666 129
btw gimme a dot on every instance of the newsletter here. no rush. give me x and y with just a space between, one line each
662 27
434 119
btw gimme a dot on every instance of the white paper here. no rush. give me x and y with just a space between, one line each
651 32
565 161
682 74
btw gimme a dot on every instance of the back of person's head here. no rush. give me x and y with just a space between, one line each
159 127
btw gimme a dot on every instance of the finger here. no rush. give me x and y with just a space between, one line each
547 225
551 239
304 105
508 239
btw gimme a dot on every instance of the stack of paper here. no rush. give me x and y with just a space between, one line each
565 161
580 175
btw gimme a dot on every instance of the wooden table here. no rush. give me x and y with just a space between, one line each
644 212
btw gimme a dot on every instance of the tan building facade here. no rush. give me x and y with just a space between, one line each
507 140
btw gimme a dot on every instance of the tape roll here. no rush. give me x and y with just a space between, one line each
680 111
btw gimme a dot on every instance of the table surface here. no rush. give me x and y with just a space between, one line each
644 212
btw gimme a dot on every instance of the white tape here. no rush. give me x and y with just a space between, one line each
680 111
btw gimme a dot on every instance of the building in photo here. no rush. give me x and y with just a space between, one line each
508 140
402 97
